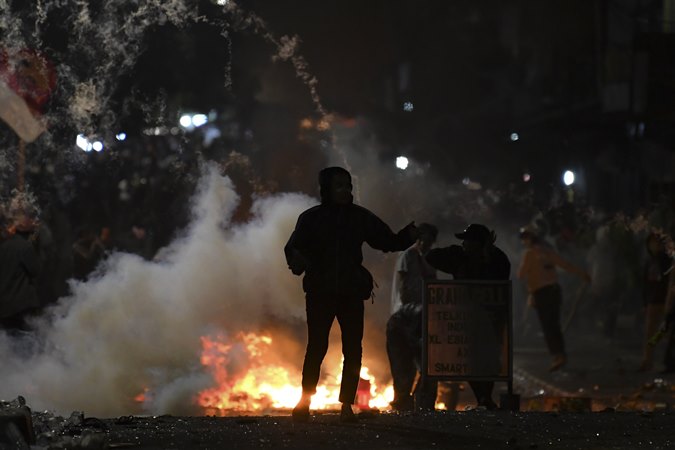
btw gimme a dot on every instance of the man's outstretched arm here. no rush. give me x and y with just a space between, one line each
446 259
380 237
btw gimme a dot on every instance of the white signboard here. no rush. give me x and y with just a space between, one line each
467 330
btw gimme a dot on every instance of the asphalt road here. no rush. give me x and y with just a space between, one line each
636 413
456 430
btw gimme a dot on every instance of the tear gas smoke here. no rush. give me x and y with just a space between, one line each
138 324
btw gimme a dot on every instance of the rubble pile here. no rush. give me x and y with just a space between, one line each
22 429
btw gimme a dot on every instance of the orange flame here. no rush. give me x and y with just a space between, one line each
245 382
140 398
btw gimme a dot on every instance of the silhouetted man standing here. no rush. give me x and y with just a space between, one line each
326 246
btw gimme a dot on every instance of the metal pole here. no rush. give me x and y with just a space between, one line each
509 327
422 383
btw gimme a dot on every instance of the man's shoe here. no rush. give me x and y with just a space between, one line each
301 411
558 362
347 415
403 404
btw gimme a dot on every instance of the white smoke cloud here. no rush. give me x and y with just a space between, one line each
139 323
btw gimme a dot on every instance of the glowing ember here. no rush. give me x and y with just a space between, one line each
140 398
245 380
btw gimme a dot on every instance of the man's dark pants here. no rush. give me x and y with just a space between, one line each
403 356
482 390
321 311
547 302
404 353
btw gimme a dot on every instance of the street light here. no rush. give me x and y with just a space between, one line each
568 178
83 143
185 121
191 121
199 119
402 162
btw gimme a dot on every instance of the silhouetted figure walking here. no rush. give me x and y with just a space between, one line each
538 268
476 259
326 246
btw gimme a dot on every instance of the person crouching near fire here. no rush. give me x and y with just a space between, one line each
538 268
326 247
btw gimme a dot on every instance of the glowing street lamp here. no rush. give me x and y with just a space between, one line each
191 121
199 119
568 178
402 162
185 121
83 143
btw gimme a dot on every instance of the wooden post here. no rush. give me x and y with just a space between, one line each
21 166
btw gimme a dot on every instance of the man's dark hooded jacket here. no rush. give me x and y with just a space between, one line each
329 237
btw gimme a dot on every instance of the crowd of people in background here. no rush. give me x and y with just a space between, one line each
625 271
34 273
76 212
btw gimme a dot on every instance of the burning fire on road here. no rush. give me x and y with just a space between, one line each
266 385
249 378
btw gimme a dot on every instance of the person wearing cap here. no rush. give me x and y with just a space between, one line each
326 246
538 268
476 259
19 268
